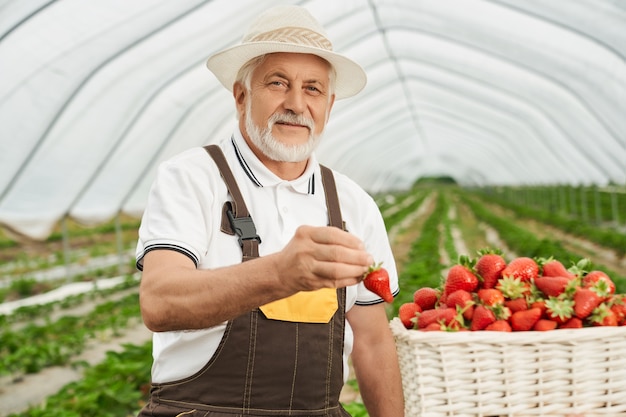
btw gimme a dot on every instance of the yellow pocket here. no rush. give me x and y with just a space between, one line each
305 307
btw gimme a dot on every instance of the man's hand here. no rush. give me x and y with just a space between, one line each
322 257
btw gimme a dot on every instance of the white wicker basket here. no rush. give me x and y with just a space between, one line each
579 372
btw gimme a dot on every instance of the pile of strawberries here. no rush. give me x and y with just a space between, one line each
487 293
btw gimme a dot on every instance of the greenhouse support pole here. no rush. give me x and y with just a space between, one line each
562 200
583 204
572 199
614 207
597 205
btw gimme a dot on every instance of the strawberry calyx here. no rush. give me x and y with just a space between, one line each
560 308
373 267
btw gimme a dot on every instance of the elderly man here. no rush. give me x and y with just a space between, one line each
253 254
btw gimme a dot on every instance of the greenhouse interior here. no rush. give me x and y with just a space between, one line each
484 125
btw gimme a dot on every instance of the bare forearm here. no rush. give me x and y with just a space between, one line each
378 376
184 298
375 361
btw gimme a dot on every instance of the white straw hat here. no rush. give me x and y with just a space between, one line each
287 29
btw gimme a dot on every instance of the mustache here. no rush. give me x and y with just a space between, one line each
291 118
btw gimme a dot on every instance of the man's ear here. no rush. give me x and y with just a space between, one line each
239 93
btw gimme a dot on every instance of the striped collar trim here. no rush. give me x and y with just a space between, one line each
305 187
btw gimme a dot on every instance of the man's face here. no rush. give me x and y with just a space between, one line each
285 112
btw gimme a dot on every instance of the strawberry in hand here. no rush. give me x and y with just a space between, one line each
377 281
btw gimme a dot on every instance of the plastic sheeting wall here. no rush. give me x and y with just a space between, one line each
93 95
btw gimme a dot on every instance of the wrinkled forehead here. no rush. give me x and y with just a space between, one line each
294 63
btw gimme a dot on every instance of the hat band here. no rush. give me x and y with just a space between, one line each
293 35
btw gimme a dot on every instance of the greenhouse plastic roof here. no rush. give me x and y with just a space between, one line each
94 94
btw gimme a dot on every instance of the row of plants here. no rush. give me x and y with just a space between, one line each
447 226
34 347
396 208
76 230
27 286
80 243
609 237
423 267
600 206
116 387
37 311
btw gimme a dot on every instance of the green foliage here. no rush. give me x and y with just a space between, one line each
356 409
35 347
423 268
400 207
434 182
23 286
116 387
588 227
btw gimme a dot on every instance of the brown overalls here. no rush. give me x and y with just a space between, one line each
263 366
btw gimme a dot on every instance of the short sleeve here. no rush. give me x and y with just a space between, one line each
176 217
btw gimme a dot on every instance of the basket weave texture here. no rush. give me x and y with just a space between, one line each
553 373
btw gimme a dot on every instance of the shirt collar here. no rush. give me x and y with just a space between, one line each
261 176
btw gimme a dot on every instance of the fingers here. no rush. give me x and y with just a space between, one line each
329 257
332 236
337 274
335 245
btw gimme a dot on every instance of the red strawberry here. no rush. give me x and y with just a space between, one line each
499 326
585 301
377 281
489 267
552 286
540 304
434 327
544 324
407 314
426 297
518 304
460 277
593 277
618 305
490 296
443 316
603 316
525 320
483 317
523 267
553 268
573 323
463 300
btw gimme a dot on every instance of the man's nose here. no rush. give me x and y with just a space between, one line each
295 100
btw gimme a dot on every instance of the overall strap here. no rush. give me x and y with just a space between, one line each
238 215
332 200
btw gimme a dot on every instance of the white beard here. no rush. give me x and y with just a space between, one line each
265 141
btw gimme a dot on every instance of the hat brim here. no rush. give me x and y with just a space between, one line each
351 77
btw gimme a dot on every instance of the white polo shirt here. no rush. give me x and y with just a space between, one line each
184 211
